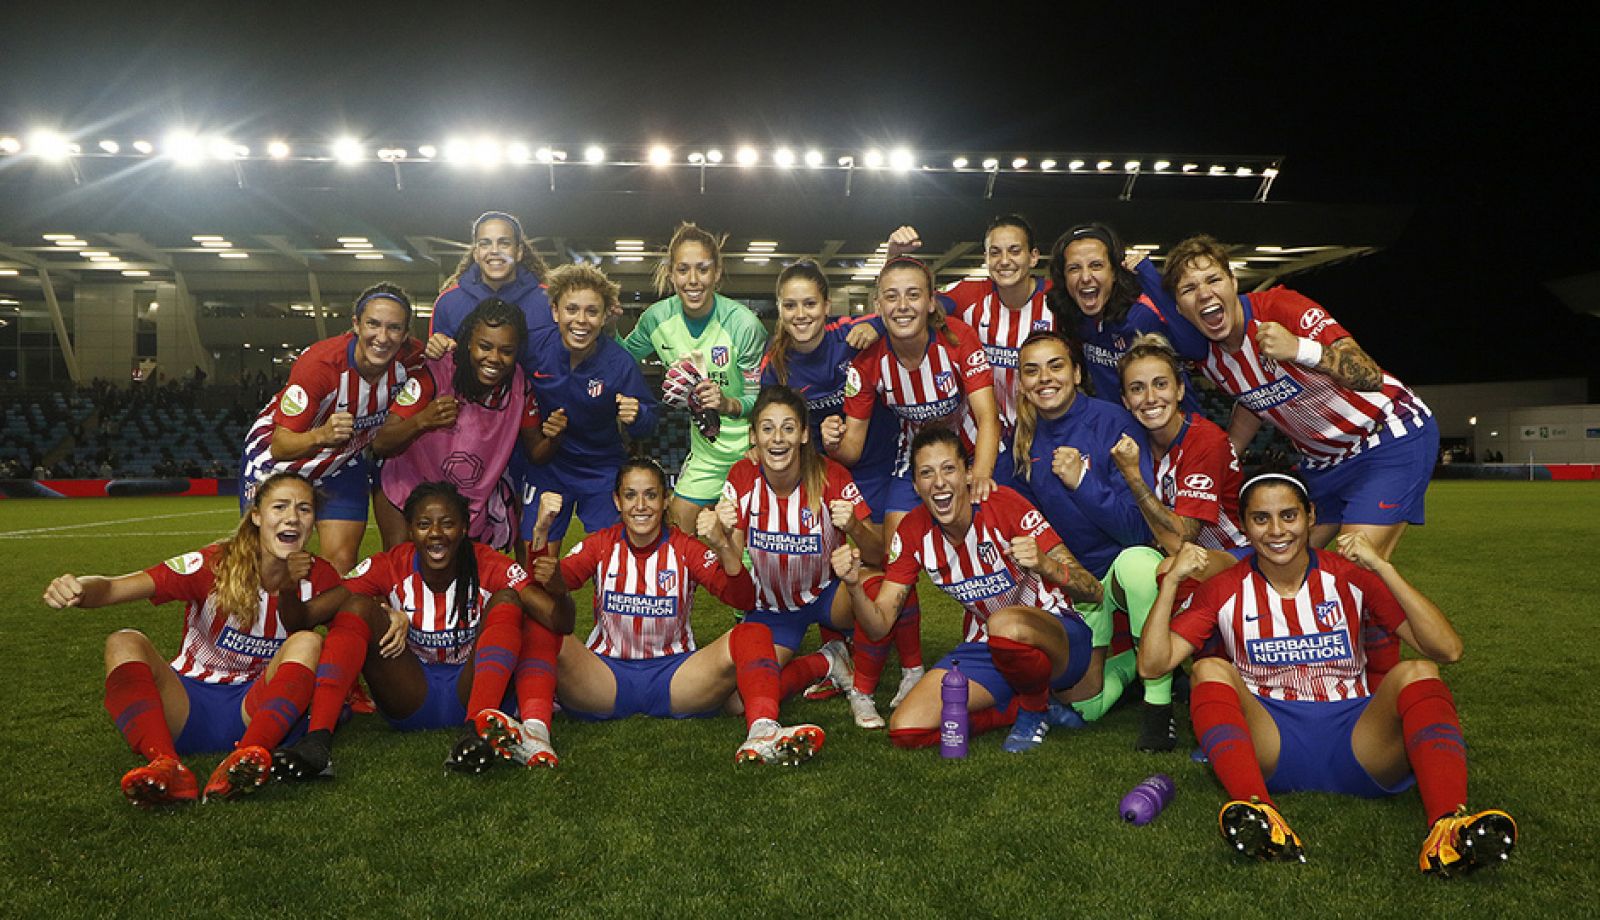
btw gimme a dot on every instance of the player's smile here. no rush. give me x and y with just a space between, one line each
1208 296
493 352
641 503
1047 377
285 518
380 328
694 274
1277 525
1008 257
495 252
904 303
778 435
1150 393
436 532
579 316
1089 274
802 308
940 479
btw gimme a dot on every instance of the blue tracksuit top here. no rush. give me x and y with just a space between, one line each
591 448
525 290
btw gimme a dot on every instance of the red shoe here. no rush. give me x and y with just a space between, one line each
163 781
359 701
245 770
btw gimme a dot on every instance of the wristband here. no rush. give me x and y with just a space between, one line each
1308 353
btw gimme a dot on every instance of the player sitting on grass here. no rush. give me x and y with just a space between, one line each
439 625
241 678
1287 706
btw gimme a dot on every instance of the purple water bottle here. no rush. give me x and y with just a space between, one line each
953 714
1145 801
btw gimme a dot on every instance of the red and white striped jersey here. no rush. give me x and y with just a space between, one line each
1002 331
643 597
436 634
1306 647
323 381
1326 421
932 393
979 571
1199 478
789 543
214 649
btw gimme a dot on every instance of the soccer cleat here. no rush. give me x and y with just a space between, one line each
1256 830
1061 715
1027 733
471 754
163 781
1460 844
864 710
309 758
244 771
526 743
771 743
1158 730
840 671
908 679
824 689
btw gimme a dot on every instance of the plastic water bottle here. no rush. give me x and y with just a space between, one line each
953 714
1145 801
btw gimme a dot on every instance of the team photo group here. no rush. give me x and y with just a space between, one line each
1033 442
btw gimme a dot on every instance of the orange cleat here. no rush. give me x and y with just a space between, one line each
244 771
163 781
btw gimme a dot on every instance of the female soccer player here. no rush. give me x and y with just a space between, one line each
338 395
1095 293
458 420
593 392
501 264
1064 466
712 341
1288 706
1367 443
1002 561
641 657
439 625
790 508
1196 471
240 679
812 356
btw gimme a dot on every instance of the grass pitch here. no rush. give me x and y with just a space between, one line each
650 818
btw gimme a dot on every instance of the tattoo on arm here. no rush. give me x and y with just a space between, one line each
1079 582
1162 520
1349 366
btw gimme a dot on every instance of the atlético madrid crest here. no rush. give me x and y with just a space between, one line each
596 387
988 553
667 579
719 355
1328 614
946 382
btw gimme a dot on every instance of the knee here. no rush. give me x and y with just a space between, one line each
1410 671
1012 623
304 647
1217 670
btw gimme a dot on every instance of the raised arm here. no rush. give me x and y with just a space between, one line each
1160 649
1426 628
1170 528
98 590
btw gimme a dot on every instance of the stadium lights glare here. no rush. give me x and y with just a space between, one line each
847 161
713 155
1190 167
1103 165
221 148
182 147
486 152
900 159
873 158
144 147
1047 164
277 150
660 155
110 146
594 153
784 157
347 150
1218 170
457 150
48 145
1163 165
518 152
697 158
1131 166
747 156
958 163
813 158
428 151
1019 162
991 163
1075 165
545 155
391 154
9 144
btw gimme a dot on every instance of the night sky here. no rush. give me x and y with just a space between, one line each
1470 120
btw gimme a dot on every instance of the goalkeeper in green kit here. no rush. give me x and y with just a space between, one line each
711 347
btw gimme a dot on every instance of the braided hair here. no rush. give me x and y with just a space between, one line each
466 583
492 312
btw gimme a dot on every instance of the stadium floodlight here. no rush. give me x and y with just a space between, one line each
697 158
518 152
1019 163
544 155
9 144
223 149
1047 164
8 272
901 159
747 156
48 145
1075 165
276 149
713 155
234 255
594 153
1163 165
991 163
813 158
1217 170
847 161
873 158
1270 172
959 163
391 154
1242 171
348 150
1103 165
144 147
1131 166
110 146
660 155
52 237
457 150
486 152
783 157
1190 167
135 273
428 151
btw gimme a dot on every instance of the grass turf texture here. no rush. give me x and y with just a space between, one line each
650 817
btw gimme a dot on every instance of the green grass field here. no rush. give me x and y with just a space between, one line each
650 818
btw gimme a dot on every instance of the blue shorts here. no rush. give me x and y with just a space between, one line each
789 626
900 496
644 688
977 664
442 707
875 492
216 717
1314 752
597 509
1381 485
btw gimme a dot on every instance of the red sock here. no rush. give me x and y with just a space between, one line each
1219 724
801 673
344 651
1438 756
907 633
495 658
1025 668
755 670
868 655
987 720
913 737
536 671
275 705
829 634
135 706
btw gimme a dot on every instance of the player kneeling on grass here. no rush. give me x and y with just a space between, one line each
1003 562
641 658
241 677
440 625
1287 706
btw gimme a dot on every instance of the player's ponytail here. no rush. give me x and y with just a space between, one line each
237 566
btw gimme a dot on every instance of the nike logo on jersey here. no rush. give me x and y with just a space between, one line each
1388 507
541 375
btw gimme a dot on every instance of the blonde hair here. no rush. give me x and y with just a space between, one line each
1150 345
529 257
237 567
688 232
567 279
1027 413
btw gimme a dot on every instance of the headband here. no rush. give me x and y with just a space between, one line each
383 295
1098 233
1276 477
498 215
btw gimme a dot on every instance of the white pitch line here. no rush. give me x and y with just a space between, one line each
133 520
216 534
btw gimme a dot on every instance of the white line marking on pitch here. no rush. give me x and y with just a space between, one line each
133 520
214 534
